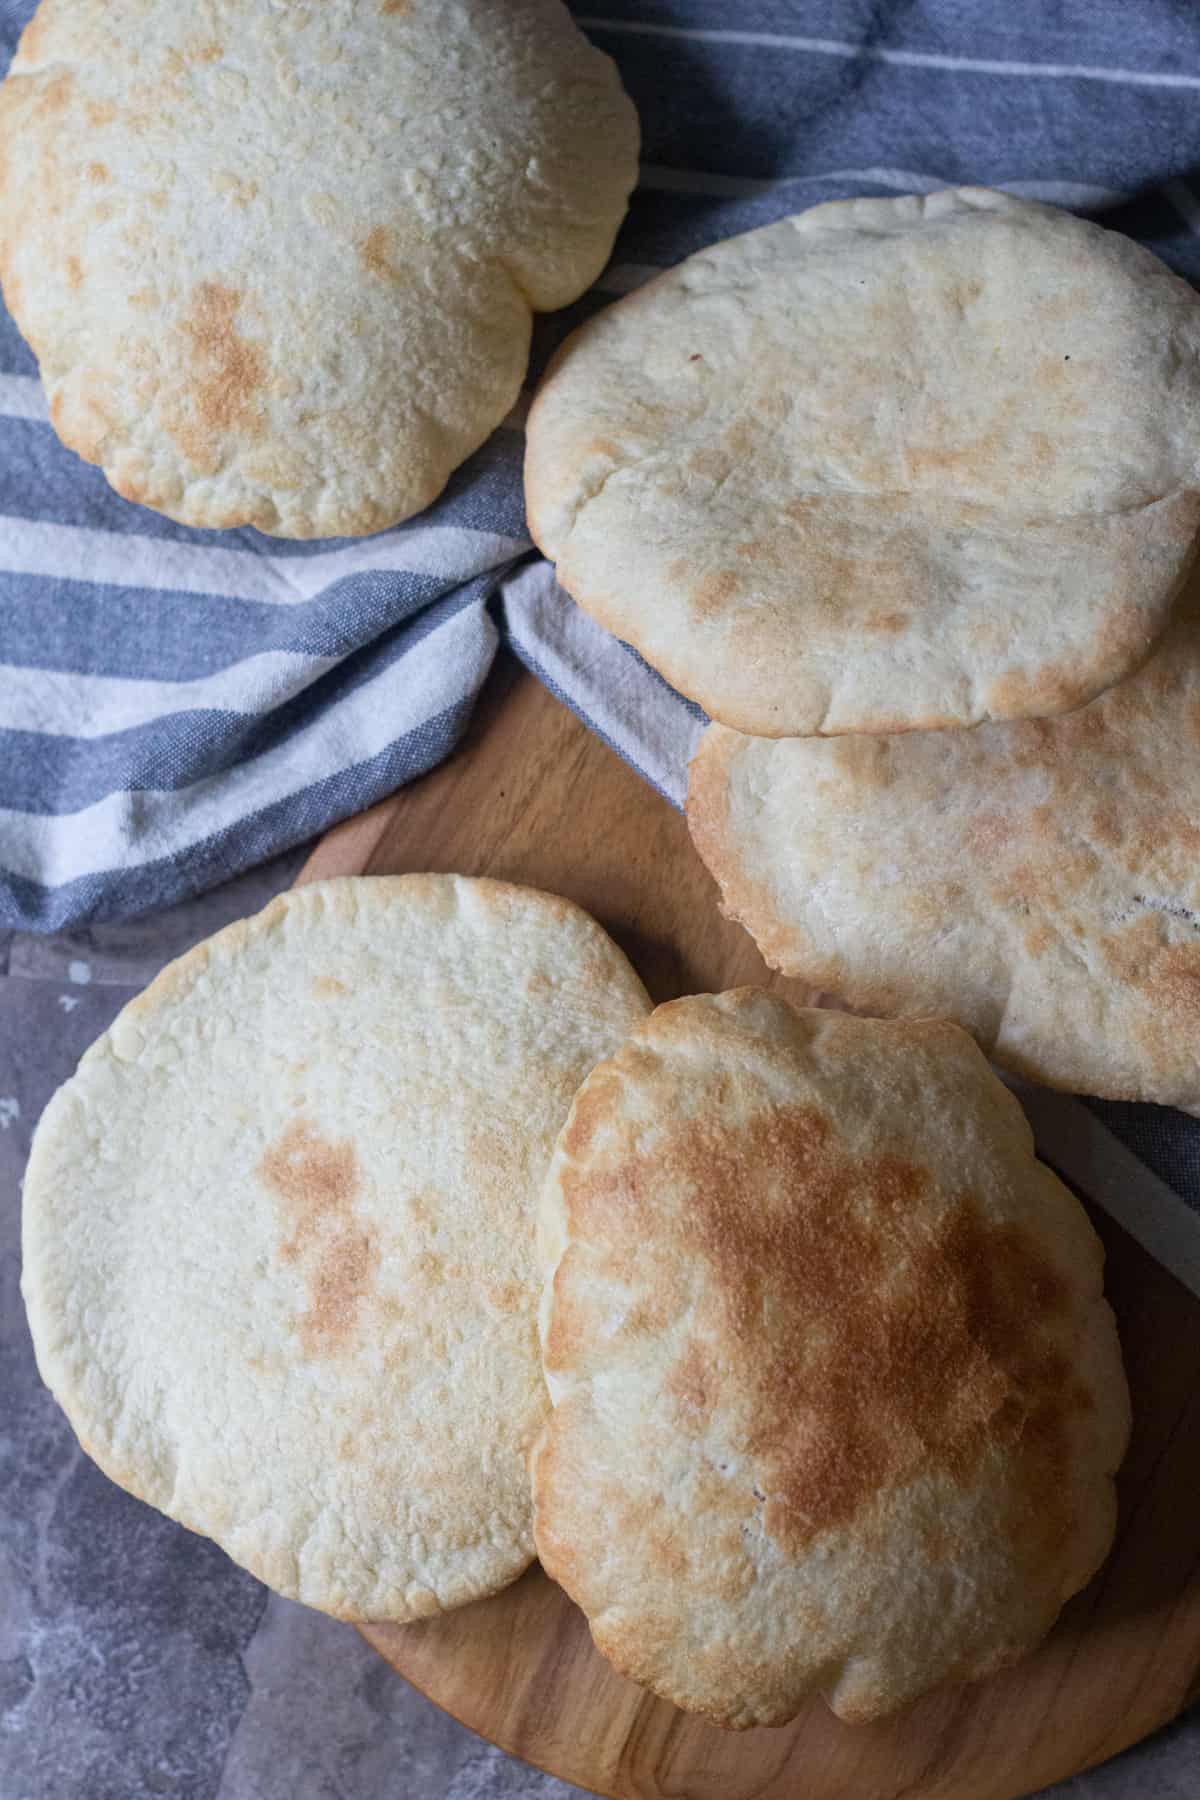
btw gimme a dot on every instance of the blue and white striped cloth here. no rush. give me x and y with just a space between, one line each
176 705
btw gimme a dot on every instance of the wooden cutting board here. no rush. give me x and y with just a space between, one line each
534 797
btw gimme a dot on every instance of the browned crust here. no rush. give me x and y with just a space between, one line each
921 1329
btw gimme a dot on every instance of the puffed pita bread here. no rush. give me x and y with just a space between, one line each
278 262
888 464
1039 882
278 1231
837 1396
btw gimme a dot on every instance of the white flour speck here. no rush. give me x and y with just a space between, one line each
10 1110
80 973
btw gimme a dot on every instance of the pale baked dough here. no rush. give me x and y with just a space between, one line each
278 1231
278 262
1037 881
888 464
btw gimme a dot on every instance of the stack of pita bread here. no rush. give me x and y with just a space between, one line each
868 478
391 1238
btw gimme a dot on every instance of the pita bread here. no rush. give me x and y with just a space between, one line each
278 1231
278 263
1038 882
837 1397
889 464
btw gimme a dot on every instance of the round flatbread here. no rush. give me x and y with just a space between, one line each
837 1396
1037 881
278 1231
282 262
888 464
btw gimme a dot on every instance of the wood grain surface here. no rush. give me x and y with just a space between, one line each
532 796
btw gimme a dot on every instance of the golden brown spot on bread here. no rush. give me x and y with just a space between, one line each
594 1106
56 93
653 1314
1038 939
373 254
1043 883
344 1277
1032 743
666 1549
1173 982
200 446
1133 950
316 1184
602 449
878 1333
315 1180
948 461
693 1383
1048 688
101 112
1107 825
394 8
505 1296
864 762
327 987
989 832
225 371
713 593
892 622
74 272
130 486
422 1212
97 171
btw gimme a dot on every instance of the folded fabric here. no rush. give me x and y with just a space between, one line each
177 705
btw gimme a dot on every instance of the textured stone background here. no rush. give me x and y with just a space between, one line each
135 1659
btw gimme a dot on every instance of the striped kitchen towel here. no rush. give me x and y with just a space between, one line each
177 705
